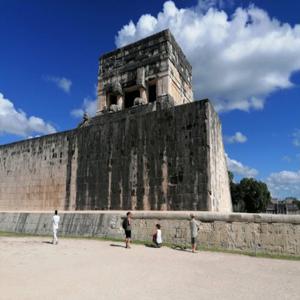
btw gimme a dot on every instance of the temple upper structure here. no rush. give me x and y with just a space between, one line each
153 69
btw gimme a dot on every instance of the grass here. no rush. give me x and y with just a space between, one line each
170 245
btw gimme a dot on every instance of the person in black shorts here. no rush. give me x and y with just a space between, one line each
127 227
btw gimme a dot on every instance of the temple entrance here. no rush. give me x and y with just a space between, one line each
152 93
112 99
129 98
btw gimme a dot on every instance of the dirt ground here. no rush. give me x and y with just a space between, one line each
32 268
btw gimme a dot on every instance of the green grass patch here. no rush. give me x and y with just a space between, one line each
251 253
259 254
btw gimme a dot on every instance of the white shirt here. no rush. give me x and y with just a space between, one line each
55 219
158 236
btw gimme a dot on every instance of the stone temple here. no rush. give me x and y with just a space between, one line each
149 147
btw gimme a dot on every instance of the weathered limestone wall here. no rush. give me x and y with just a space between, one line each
143 158
278 234
36 174
219 198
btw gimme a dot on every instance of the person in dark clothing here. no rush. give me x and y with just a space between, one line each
127 227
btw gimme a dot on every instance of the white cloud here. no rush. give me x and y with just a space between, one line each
284 184
13 121
238 137
296 137
238 168
237 60
89 106
61 82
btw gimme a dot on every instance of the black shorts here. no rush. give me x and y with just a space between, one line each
128 234
193 240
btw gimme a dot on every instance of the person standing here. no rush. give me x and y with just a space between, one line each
194 232
55 222
127 228
157 237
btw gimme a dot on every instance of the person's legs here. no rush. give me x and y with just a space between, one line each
55 240
128 238
193 244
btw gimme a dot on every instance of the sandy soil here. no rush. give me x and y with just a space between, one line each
31 268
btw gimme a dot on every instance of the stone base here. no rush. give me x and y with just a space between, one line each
278 234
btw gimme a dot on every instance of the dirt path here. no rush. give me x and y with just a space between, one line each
31 268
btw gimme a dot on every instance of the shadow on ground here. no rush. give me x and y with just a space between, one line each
117 245
47 242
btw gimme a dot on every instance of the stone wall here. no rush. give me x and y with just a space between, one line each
143 158
278 234
217 166
36 174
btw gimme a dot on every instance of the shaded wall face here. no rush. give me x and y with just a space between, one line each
155 160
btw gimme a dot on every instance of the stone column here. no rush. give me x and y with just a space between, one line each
101 93
143 95
120 101
162 86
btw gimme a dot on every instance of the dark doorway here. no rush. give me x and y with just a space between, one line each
130 96
152 92
112 99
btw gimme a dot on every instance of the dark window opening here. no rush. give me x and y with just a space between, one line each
152 93
129 98
112 99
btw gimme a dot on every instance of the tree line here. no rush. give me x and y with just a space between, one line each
249 195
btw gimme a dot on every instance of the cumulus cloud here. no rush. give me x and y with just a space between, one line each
14 121
237 60
238 168
89 106
284 184
238 137
61 82
296 138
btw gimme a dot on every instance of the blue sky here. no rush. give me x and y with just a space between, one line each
245 57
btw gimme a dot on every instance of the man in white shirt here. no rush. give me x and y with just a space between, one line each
55 222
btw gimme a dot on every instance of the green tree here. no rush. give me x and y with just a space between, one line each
249 195
255 195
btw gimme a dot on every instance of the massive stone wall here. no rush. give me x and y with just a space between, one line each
219 181
279 234
37 173
143 158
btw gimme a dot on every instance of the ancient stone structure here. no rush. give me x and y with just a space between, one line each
152 70
148 148
255 233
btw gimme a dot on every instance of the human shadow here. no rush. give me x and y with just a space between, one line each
148 245
47 242
117 245
180 248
